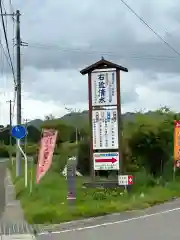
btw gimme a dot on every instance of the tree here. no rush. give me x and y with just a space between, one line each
49 117
64 131
151 141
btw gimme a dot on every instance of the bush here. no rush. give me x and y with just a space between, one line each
59 162
4 153
31 149
65 131
84 157
151 145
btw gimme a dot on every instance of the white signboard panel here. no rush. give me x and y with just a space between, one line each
105 129
125 180
106 161
104 88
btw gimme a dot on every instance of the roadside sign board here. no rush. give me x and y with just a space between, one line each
125 180
105 129
106 161
104 88
104 115
19 132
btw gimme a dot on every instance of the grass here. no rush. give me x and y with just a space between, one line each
47 203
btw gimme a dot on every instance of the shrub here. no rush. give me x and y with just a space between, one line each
4 153
65 131
151 145
84 157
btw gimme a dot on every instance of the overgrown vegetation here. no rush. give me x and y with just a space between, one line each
147 154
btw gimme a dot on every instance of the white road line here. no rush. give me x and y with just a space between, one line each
18 237
111 223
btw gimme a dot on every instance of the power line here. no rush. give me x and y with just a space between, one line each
150 28
14 102
7 44
91 52
4 52
2 62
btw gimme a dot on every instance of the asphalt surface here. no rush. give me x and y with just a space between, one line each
157 223
2 187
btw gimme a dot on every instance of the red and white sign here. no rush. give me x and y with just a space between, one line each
46 151
106 161
125 180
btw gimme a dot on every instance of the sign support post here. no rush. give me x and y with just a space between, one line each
120 123
90 123
25 163
105 116
19 132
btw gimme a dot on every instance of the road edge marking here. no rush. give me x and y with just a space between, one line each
110 223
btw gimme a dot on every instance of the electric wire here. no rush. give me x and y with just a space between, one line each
107 53
150 28
7 56
14 103
110 53
6 40
4 52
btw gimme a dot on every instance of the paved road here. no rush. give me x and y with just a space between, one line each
158 223
2 188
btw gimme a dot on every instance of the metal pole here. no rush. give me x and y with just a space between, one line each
18 53
31 177
25 165
76 135
119 121
77 141
10 127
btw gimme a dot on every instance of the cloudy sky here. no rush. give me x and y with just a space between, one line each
66 36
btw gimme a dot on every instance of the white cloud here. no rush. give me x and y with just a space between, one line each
51 78
138 93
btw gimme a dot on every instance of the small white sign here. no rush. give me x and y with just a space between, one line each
105 129
125 180
104 88
106 161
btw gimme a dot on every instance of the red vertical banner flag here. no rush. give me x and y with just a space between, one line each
47 145
177 143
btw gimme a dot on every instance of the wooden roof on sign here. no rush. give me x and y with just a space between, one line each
102 64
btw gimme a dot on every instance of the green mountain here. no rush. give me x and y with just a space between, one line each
36 123
81 118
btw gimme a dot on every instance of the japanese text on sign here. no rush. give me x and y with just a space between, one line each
47 146
105 129
104 88
106 161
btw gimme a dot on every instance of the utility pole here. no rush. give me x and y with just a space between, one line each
19 43
71 110
18 80
10 126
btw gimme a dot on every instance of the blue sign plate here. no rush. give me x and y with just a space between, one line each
18 132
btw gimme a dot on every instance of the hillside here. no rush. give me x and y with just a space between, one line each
81 118
36 123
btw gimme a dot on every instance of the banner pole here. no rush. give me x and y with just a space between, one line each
174 173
